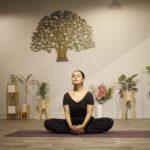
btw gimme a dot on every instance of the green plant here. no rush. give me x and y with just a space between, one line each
127 83
148 68
27 82
13 78
43 89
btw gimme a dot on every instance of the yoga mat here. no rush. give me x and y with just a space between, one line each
109 134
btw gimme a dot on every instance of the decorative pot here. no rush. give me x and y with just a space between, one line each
42 106
128 95
25 108
43 103
99 110
128 98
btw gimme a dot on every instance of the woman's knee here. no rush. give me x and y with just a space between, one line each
110 122
49 123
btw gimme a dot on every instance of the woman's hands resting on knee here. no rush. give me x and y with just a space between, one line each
77 129
80 129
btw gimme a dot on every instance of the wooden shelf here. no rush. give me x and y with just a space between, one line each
12 107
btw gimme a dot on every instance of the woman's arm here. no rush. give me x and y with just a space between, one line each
67 116
87 118
88 115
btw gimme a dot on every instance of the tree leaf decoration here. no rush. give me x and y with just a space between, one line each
62 31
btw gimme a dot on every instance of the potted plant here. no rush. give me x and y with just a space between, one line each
12 84
26 82
102 94
13 78
127 92
147 68
127 85
43 90
42 102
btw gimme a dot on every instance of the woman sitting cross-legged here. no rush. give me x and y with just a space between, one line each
78 107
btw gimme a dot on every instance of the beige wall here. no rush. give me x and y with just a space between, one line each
121 36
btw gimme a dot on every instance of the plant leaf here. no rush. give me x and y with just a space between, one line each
34 82
20 80
22 77
30 75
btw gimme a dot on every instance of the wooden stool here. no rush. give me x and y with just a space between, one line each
24 116
42 106
129 97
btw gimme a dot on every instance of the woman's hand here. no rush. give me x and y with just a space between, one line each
80 129
77 129
73 129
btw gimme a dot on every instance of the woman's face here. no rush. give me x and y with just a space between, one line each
77 78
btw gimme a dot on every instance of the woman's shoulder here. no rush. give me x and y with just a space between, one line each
66 93
90 93
71 91
85 91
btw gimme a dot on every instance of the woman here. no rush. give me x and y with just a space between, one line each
78 107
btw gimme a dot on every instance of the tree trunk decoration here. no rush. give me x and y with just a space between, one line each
62 31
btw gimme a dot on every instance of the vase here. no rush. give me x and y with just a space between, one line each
129 95
99 110
25 108
43 103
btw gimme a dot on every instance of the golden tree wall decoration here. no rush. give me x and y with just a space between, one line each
62 31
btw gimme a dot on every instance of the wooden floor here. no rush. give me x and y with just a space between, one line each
58 143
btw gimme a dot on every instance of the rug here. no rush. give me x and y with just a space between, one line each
109 134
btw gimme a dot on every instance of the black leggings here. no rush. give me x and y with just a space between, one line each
94 126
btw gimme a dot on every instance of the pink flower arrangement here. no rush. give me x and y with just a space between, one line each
102 93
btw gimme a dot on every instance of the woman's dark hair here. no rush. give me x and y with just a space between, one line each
83 75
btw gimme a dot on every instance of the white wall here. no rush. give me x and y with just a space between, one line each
133 62
122 46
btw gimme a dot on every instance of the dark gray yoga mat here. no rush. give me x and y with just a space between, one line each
109 134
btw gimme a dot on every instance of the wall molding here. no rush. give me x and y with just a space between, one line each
62 116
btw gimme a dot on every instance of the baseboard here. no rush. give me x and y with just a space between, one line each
35 116
3 116
61 115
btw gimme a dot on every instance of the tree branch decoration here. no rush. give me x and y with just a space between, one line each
62 31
